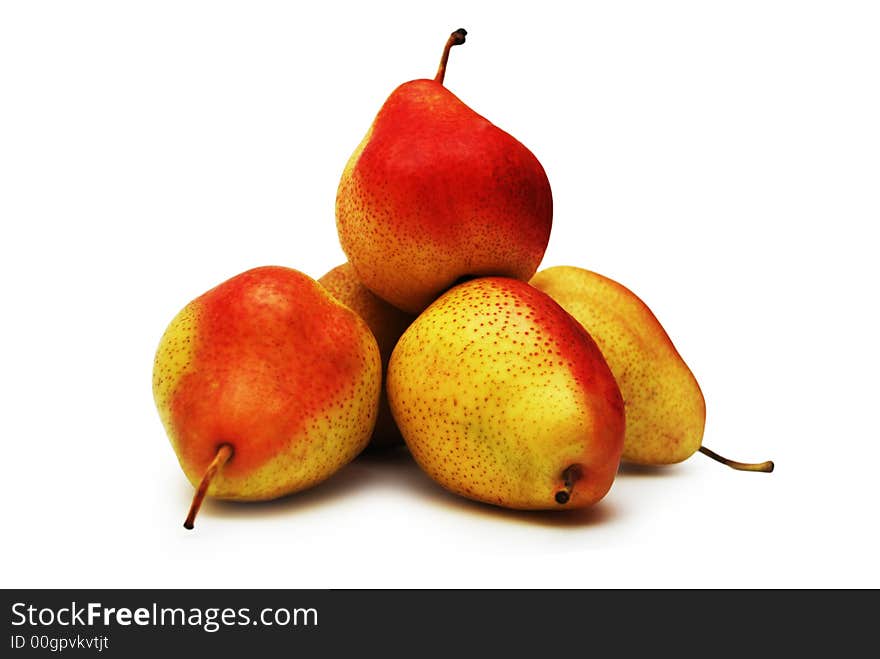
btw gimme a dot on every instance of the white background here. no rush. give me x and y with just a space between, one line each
722 159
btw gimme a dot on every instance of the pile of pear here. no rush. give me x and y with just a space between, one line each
508 386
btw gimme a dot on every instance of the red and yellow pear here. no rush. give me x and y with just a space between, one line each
503 397
266 385
435 194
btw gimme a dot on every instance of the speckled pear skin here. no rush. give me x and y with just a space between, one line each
435 193
665 408
498 391
387 324
271 364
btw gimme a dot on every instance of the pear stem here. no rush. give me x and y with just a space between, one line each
224 452
764 467
570 476
455 39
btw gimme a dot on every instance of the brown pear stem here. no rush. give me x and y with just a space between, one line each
570 476
764 467
455 39
224 452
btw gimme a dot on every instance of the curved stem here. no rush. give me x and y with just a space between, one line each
455 39
222 457
764 467
570 476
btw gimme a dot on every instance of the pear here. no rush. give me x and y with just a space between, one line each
502 397
665 408
435 194
387 324
266 385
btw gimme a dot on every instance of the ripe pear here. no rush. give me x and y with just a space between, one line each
665 408
435 194
387 324
502 397
266 385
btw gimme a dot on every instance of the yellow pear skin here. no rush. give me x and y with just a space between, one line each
386 323
502 397
665 408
